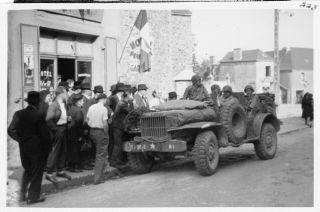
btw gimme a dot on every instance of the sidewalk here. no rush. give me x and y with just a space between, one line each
86 177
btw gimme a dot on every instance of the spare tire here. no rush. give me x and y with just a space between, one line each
234 121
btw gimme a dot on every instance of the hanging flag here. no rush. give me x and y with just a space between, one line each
140 44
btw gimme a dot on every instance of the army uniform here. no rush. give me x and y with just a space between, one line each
228 101
196 91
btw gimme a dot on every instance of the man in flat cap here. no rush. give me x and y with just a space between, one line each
140 98
196 91
28 128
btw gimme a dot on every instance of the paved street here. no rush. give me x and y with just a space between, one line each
242 180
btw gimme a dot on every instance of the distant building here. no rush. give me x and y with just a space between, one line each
242 67
296 73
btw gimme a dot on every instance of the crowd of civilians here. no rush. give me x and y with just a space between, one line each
73 129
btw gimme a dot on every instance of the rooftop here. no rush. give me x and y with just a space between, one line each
295 58
247 55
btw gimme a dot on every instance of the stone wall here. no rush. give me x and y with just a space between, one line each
171 53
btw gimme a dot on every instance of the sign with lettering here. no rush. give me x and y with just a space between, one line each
46 74
28 63
135 49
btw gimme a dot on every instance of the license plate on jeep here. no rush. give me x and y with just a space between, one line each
168 146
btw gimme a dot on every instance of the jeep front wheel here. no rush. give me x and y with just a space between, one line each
140 162
206 153
266 147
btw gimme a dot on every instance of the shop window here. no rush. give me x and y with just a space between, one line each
268 71
46 74
84 70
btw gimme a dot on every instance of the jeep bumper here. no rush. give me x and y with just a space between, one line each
147 146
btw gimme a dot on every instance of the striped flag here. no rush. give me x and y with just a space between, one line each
140 44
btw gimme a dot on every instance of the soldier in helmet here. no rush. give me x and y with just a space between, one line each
196 91
251 100
227 98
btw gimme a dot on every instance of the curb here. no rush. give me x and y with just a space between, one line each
293 130
49 188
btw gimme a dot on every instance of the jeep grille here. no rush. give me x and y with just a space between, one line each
153 126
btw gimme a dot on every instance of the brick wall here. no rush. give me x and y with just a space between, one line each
172 49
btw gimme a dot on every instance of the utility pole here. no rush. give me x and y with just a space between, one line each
276 57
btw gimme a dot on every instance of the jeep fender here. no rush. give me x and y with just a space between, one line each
262 118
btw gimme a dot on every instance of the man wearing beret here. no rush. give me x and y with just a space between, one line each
140 98
97 119
28 128
196 91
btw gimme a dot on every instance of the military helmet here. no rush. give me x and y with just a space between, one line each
195 78
248 87
227 88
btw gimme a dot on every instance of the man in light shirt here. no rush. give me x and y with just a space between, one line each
57 123
156 100
97 120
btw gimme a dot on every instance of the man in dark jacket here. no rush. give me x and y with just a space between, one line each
124 106
57 122
113 100
196 91
29 130
75 131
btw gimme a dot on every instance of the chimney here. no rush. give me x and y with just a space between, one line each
237 54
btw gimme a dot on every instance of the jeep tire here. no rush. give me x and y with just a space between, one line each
233 119
206 153
140 162
266 147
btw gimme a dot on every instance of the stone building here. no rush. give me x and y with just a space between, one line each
45 46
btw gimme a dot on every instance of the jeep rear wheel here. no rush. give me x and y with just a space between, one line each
266 147
206 153
140 162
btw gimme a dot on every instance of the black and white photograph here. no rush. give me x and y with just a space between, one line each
160 105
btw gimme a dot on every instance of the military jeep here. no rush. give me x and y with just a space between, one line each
184 127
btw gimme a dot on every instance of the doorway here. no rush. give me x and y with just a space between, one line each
66 69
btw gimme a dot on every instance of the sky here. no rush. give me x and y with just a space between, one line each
219 31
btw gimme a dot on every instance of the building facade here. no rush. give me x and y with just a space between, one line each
296 73
240 68
45 47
